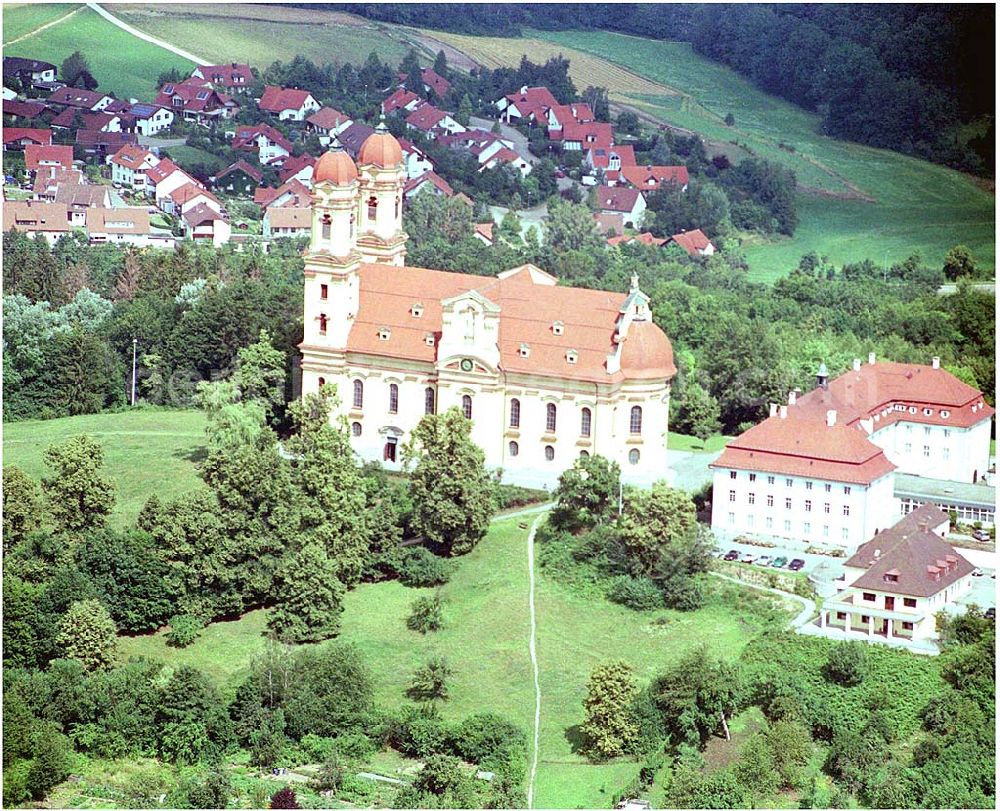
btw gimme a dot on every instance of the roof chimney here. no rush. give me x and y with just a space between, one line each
878 554
923 525
783 411
831 417
935 362
871 358
791 397
857 364
774 409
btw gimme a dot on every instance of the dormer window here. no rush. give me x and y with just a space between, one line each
384 333
524 351
417 310
429 338
558 327
945 413
928 412
890 578
913 409
571 356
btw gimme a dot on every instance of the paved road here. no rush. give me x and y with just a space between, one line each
111 18
161 143
984 287
534 659
508 132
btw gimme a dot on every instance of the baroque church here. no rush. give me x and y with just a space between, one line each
546 373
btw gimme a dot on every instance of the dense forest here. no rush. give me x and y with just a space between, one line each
914 78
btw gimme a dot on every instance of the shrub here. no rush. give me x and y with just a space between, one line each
421 568
425 615
847 664
511 495
430 682
637 593
284 798
419 732
490 740
184 630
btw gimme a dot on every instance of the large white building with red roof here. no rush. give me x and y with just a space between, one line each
547 373
822 468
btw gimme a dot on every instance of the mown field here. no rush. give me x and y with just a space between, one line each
262 34
145 452
918 206
22 18
122 64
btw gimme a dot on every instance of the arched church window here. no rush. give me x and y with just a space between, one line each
322 323
397 207
327 225
352 225
359 394
372 207
467 406
635 420
585 422
550 418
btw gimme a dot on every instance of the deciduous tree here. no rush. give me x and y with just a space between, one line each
88 634
309 599
79 497
451 490
610 727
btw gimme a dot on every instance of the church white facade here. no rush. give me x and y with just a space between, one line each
546 373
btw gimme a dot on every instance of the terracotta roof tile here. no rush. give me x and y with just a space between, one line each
692 241
35 154
650 177
913 552
278 99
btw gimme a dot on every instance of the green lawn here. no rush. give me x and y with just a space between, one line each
145 452
185 155
918 206
20 18
486 643
682 442
236 35
122 64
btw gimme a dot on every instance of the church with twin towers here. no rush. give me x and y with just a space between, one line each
546 373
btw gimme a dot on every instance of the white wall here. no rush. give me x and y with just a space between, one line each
936 451
871 508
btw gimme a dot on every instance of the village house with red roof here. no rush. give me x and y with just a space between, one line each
644 238
650 178
196 100
232 78
268 142
894 585
327 123
529 104
43 156
429 182
576 137
694 242
80 99
298 168
609 160
129 165
401 100
238 178
821 467
545 372
431 122
17 138
432 81
620 200
287 103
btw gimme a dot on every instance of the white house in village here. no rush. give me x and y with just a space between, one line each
546 373
895 583
129 165
822 468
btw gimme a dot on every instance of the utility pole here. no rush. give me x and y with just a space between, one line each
135 343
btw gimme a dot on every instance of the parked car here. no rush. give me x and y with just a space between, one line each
977 572
796 564
749 557
763 560
779 563
732 554
560 173
990 614
981 535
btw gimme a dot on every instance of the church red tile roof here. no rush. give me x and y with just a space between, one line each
530 302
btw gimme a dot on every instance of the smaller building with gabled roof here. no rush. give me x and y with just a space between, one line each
896 583
288 103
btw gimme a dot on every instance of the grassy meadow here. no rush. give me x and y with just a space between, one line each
145 452
122 64
918 206
262 34
22 18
